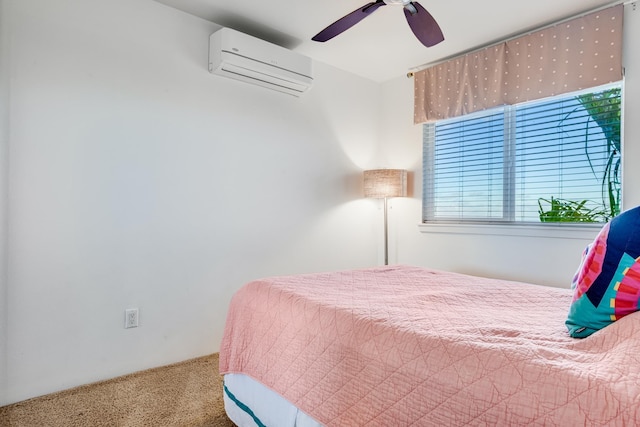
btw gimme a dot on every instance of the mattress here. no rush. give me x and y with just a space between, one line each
406 346
249 404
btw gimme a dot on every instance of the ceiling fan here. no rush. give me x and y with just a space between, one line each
420 21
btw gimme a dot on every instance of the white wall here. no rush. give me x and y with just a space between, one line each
4 164
631 147
138 179
533 258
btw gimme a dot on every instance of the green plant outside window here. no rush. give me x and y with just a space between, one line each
604 111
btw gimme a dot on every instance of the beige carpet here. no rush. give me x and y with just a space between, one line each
184 394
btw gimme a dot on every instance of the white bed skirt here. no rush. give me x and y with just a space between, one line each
248 403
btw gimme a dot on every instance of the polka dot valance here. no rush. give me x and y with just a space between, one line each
573 55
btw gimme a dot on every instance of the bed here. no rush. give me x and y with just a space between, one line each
410 346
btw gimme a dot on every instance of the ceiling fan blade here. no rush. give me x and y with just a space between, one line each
347 21
422 24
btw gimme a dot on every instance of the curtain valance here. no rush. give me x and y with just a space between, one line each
573 55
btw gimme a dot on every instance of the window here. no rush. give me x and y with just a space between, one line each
555 160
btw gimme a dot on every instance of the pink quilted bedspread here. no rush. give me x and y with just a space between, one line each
407 346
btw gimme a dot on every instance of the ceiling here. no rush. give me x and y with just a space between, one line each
382 47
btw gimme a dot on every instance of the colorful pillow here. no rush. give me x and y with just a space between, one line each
606 286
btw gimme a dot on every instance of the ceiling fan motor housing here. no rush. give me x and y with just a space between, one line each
407 4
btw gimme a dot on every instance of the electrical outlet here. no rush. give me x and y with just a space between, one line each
131 318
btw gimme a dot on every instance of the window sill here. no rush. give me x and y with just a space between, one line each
551 231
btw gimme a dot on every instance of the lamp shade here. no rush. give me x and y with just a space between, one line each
382 183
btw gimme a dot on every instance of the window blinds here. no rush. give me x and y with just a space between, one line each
499 165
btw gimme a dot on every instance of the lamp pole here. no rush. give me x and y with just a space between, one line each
386 235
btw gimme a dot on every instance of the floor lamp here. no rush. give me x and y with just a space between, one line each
382 184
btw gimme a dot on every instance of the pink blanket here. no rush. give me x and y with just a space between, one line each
407 346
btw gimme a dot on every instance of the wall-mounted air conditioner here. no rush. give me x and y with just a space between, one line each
243 57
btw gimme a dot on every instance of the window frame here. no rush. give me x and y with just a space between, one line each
428 222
